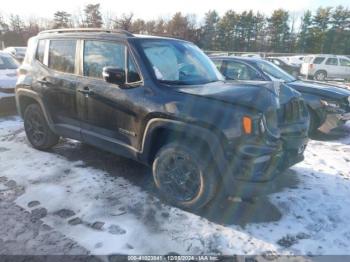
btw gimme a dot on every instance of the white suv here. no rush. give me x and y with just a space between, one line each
321 67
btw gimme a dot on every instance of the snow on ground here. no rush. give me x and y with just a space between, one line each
112 215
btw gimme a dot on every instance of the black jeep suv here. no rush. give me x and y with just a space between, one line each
159 101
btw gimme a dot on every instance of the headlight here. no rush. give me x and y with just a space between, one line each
330 104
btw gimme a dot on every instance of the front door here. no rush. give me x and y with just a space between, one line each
111 118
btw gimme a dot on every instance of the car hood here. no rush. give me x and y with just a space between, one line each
260 96
325 90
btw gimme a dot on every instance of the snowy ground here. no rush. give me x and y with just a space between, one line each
105 203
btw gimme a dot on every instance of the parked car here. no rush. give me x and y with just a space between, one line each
290 68
322 67
159 101
8 78
295 60
251 55
18 52
324 101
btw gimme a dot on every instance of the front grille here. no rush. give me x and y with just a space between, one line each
292 111
7 90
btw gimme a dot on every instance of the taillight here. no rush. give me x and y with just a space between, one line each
311 66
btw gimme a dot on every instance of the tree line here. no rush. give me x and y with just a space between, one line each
326 30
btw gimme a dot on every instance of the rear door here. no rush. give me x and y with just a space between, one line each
58 81
332 67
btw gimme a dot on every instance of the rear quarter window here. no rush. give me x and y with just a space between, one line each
319 60
40 52
62 55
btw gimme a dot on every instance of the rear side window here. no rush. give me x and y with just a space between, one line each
40 51
62 55
98 54
319 60
239 71
7 62
332 61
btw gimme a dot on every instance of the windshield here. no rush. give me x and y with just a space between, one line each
177 62
7 62
274 72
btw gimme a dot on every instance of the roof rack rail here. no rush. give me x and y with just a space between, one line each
101 30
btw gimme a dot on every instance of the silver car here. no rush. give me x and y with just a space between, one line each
322 67
8 79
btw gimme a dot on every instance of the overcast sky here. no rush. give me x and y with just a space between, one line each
148 9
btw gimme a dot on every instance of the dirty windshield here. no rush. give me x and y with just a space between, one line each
177 62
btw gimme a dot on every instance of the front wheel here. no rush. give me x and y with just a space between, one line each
183 178
37 130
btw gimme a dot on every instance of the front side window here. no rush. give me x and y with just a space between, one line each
239 71
40 51
62 55
99 54
344 62
133 75
274 72
319 60
178 62
332 61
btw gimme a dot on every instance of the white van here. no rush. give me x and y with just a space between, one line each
322 67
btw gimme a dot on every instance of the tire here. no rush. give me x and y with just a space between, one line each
182 176
320 75
314 122
37 130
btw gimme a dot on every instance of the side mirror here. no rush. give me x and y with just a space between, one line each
114 75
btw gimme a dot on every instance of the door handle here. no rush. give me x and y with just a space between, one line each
86 91
43 81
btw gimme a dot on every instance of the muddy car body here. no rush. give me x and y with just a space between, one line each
159 101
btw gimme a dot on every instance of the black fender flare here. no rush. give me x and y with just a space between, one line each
204 134
21 92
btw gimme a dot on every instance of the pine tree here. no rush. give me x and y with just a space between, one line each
62 20
93 16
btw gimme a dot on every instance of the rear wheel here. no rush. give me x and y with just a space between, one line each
37 130
182 177
320 75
